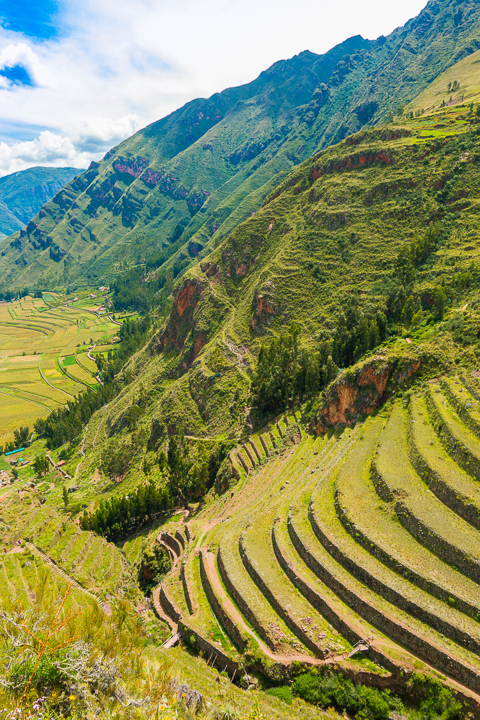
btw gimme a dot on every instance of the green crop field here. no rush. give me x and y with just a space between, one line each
44 361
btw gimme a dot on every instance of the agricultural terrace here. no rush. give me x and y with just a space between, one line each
362 538
47 347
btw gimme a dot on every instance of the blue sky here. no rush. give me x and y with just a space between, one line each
33 18
77 77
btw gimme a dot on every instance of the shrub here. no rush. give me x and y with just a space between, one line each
342 694
283 693
154 565
434 701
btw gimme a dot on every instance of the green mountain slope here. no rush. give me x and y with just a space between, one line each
9 222
23 193
341 225
183 183
460 83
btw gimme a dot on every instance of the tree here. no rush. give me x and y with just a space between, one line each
417 318
116 458
440 301
408 312
187 476
41 465
155 563
21 436
330 370
373 334
65 496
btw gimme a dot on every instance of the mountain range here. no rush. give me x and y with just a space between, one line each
171 192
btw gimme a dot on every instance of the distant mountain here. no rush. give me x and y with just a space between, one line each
23 193
9 222
175 189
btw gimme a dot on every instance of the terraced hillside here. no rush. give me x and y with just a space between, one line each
44 356
364 538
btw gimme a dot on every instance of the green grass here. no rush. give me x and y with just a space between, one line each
438 460
357 559
406 485
376 520
69 360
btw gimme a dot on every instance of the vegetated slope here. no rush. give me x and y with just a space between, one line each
307 544
340 226
459 84
187 180
23 193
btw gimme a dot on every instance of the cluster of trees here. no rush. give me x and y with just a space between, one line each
155 563
18 294
41 465
147 286
453 87
426 696
187 472
405 307
119 517
411 256
66 423
116 458
286 372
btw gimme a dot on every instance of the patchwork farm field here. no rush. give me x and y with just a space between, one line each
45 356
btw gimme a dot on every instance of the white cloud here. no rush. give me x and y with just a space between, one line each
118 64
84 143
48 149
99 134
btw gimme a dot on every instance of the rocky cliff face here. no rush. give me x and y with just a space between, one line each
361 389
181 321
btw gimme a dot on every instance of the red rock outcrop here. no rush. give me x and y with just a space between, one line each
264 310
130 166
359 391
359 160
181 321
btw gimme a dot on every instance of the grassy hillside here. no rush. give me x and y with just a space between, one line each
285 477
23 193
181 185
336 229
459 84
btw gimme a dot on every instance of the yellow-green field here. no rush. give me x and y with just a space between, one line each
44 356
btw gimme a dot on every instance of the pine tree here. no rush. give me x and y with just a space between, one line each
65 496
373 334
